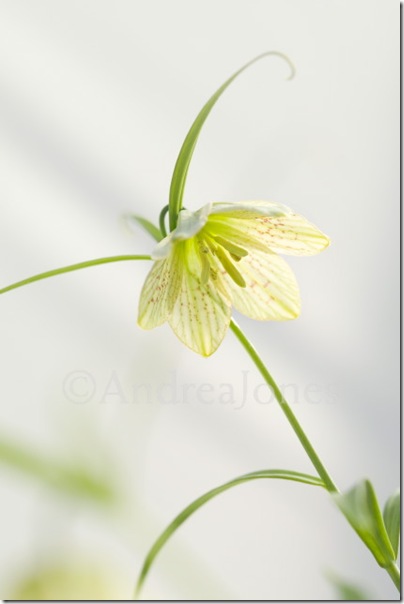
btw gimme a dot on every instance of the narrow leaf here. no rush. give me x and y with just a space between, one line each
347 591
148 226
71 479
68 269
188 146
195 505
391 516
361 509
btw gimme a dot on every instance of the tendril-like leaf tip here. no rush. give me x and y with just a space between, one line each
281 55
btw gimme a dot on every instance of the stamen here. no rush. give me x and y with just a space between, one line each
231 247
236 258
229 267
203 255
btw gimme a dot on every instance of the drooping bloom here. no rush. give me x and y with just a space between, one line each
222 256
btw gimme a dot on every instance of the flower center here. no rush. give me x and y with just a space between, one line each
226 252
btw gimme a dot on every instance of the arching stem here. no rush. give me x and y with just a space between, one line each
298 430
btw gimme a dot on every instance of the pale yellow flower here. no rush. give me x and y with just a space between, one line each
224 256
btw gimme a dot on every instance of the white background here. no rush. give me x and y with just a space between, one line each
95 100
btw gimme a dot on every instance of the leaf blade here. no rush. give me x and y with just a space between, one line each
391 516
347 590
200 501
70 479
361 508
188 146
148 226
70 268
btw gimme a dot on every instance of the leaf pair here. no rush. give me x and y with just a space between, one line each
380 532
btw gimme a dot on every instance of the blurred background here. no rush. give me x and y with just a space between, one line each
105 435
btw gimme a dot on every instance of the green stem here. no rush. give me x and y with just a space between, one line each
322 472
392 570
68 269
394 573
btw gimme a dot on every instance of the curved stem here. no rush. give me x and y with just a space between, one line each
198 503
68 269
162 219
322 472
392 569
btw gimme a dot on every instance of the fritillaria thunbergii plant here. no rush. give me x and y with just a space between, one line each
225 256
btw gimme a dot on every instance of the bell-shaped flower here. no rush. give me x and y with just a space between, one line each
226 255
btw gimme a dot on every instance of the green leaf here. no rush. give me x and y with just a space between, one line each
391 515
195 505
188 146
361 509
69 269
148 226
71 479
347 591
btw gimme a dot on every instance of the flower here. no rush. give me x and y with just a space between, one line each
223 256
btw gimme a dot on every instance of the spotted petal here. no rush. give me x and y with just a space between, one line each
290 234
269 225
271 291
160 291
201 314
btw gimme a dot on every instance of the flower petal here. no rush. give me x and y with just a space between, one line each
160 291
190 223
271 291
201 314
286 233
245 210
289 234
163 248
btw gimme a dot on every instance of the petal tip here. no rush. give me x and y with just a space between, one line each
326 242
141 324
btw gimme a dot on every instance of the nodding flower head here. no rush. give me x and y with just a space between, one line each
222 256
